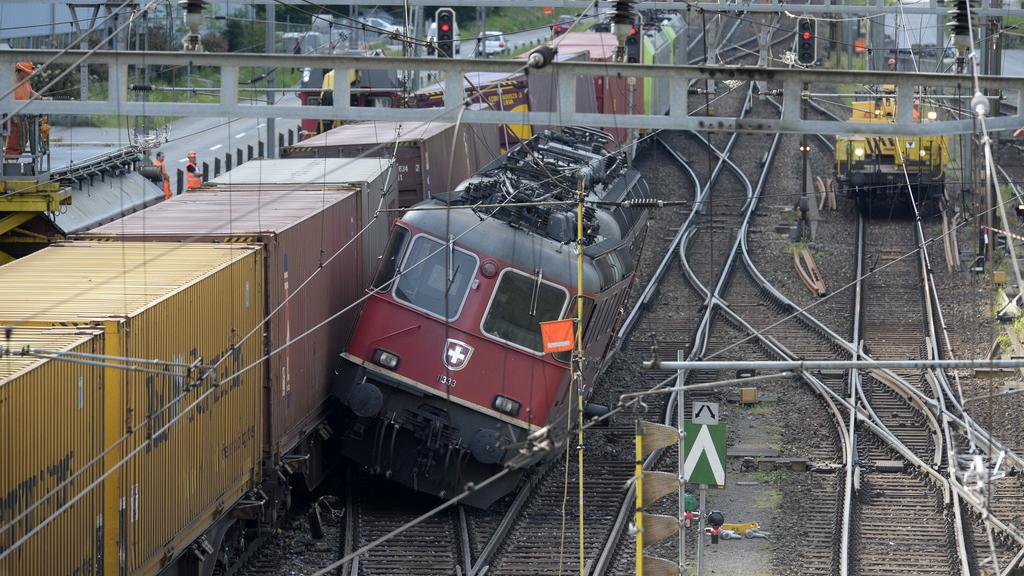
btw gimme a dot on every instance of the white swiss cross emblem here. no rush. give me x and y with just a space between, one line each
456 354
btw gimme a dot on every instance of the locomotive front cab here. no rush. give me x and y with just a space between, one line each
446 376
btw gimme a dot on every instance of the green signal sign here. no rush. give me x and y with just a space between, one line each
704 453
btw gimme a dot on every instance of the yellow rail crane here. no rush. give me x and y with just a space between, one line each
27 192
884 171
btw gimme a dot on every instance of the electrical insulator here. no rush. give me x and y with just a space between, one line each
193 20
960 27
806 49
445 20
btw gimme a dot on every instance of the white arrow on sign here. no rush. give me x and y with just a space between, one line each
705 412
704 445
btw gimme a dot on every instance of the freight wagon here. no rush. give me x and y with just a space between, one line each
207 283
117 470
423 154
375 180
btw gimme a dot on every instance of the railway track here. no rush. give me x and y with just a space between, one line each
893 324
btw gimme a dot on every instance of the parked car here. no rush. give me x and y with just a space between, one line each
562 24
382 25
491 42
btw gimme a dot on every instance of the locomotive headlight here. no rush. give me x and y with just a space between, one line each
924 153
932 115
506 405
385 359
858 152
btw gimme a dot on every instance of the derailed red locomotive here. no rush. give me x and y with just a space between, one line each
445 378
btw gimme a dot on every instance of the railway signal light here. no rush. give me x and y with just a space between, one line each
715 520
806 48
633 46
445 19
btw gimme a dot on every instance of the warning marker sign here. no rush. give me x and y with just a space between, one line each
557 335
704 453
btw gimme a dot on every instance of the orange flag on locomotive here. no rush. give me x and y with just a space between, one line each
557 335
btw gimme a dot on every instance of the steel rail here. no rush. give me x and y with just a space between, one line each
964 421
603 563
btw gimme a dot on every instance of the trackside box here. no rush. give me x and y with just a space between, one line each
182 435
422 150
51 427
302 234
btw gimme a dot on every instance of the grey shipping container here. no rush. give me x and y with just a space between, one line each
423 153
376 179
299 231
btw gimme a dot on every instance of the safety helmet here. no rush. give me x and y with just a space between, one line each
25 66
191 154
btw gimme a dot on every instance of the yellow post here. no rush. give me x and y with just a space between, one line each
578 368
639 521
113 429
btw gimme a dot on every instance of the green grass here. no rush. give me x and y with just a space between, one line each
769 499
759 409
769 477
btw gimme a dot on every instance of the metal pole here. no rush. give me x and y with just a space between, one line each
680 421
271 129
700 530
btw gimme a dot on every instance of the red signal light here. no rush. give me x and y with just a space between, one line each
806 35
445 27
632 32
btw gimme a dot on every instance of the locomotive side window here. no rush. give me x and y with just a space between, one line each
425 281
389 261
518 306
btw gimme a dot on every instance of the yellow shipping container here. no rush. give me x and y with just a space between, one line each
186 435
51 428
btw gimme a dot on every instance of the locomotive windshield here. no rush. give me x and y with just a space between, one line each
424 280
519 304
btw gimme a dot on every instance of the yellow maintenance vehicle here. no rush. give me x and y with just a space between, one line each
887 171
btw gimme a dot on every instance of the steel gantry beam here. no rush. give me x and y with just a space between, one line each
563 75
932 7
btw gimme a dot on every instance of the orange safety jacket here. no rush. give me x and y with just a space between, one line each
192 177
163 176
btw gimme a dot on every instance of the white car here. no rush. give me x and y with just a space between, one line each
382 26
491 42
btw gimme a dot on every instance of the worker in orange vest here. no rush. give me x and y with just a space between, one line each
192 177
163 174
22 91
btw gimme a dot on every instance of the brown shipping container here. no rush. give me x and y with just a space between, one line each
374 177
423 152
185 442
51 427
612 93
543 90
298 230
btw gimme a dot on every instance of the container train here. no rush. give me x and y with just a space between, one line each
879 170
445 376
117 463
